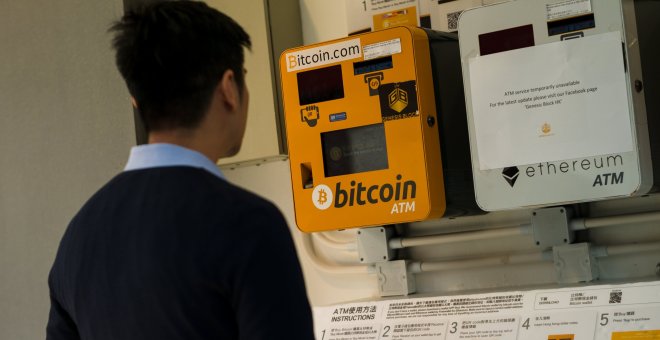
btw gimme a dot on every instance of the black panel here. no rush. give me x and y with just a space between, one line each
354 150
573 24
506 40
452 122
372 65
320 85
647 13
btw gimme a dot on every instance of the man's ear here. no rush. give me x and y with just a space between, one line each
229 90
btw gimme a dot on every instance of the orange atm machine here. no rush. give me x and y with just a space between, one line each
362 129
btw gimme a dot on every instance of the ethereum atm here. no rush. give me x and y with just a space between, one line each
562 100
364 120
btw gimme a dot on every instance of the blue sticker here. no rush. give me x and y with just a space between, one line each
335 117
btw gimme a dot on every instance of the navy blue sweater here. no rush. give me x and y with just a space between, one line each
177 253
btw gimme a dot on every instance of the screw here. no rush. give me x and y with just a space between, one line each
359 232
384 257
362 259
565 241
639 86
534 213
430 120
538 243
561 211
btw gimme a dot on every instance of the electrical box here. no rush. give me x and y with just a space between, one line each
362 116
561 100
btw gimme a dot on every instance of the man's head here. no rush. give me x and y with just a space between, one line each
173 56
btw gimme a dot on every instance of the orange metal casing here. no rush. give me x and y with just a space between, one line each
413 144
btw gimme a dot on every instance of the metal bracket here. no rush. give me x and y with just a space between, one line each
551 227
575 263
373 245
394 278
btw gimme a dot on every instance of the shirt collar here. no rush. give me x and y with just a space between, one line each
166 155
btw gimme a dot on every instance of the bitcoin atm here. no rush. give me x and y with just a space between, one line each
366 119
562 100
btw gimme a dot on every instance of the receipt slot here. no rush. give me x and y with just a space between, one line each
362 129
562 100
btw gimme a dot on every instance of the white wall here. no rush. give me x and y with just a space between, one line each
323 20
66 126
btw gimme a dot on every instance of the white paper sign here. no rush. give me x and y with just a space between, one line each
390 13
382 49
551 102
567 9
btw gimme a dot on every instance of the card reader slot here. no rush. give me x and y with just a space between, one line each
571 24
372 65
307 175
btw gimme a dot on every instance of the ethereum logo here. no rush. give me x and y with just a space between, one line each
510 174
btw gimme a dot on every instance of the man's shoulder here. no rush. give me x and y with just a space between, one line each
189 184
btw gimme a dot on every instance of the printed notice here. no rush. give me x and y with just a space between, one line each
568 8
417 329
560 326
620 312
552 102
357 332
390 13
639 323
503 328
382 49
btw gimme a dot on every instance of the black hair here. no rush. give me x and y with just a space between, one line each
172 56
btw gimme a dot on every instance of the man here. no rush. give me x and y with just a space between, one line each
168 249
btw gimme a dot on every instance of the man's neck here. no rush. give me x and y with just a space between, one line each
185 138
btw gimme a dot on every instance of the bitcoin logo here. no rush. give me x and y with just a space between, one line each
322 197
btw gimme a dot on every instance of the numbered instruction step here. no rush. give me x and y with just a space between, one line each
621 312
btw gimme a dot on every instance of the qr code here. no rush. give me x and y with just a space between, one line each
452 20
615 297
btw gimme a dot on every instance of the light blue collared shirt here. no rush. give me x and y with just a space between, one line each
164 155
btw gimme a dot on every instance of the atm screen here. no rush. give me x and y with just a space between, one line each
506 40
354 150
320 85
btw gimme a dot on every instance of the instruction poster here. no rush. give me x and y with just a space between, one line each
551 102
612 312
366 15
391 13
